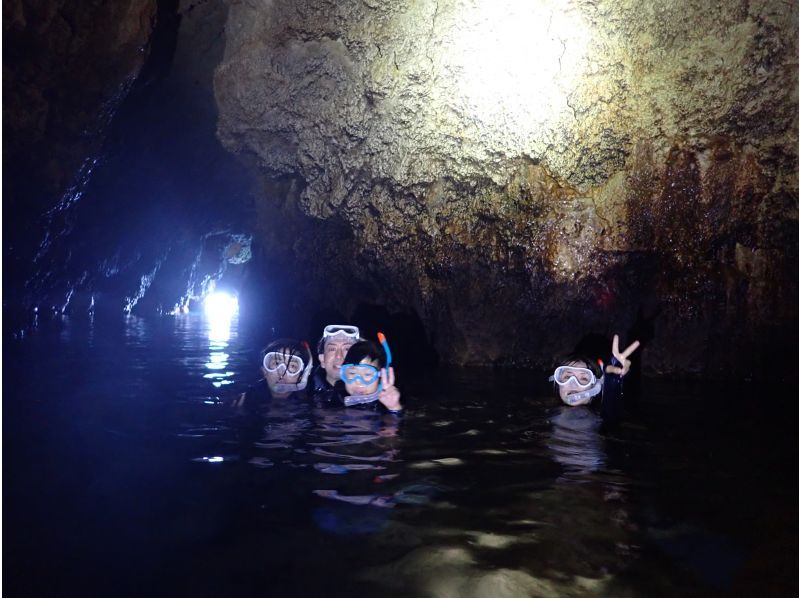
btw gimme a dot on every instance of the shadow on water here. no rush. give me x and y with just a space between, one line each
125 474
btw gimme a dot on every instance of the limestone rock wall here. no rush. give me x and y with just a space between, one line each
522 173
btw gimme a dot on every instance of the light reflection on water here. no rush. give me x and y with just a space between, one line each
484 487
221 328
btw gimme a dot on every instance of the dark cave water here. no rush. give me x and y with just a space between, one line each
124 475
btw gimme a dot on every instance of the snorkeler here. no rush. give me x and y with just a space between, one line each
331 349
580 379
367 376
285 368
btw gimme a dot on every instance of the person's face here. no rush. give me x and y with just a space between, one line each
572 387
281 368
333 357
357 387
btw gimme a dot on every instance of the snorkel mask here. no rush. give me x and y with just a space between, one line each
581 378
341 331
276 361
365 373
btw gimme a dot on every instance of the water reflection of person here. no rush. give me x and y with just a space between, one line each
590 502
285 367
360 438
366 390
274 411
360 446
579 380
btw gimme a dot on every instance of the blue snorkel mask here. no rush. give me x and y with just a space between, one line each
366 374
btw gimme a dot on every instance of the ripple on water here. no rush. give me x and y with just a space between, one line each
474 492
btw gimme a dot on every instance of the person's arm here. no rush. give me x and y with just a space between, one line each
242 402
238 402
611 406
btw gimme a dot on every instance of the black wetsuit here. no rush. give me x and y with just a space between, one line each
612 402
577 440
324 394
257 399
259 417
327 395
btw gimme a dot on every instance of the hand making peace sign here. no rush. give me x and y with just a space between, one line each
389 395
621 357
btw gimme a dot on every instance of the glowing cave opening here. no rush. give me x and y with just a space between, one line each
220 307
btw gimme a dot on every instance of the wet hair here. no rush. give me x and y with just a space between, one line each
290 347
366 349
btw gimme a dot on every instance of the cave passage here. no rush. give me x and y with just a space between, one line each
490 184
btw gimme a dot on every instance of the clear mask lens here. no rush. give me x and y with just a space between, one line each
359 372
344 330
581 377
288 365
283 364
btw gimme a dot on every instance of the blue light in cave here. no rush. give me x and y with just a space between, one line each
220 307
220 310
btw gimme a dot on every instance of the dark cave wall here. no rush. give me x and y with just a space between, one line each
136 227
66 66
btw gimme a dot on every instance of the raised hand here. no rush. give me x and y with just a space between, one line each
622 357
389 395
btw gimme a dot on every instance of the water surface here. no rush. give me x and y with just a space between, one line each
125 474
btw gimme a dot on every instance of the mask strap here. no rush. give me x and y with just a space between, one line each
301 384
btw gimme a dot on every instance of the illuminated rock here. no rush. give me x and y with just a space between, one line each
520 173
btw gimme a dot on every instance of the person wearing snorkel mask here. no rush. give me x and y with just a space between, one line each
366 376
331 350
580 379
285 369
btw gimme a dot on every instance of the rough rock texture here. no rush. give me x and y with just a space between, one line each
522 173
66 65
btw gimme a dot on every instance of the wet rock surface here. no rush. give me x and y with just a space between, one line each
153 218
66 66
617 167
